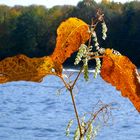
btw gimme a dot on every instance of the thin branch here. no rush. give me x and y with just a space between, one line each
76 112
137 75
93 26
70 89
94 57
65 83
95 115
76 78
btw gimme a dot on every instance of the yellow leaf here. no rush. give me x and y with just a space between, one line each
70 35
121 73
21 67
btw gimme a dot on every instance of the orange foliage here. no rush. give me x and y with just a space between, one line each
121 73
116 69
71 34
21 67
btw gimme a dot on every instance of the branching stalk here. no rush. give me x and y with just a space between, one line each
76 78
94 116
70 89
94 57
76 112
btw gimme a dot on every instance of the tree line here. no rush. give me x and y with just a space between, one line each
32 30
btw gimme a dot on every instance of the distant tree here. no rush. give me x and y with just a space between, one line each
32 30
30 27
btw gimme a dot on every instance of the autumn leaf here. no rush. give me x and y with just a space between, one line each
70 35
122 73
21 67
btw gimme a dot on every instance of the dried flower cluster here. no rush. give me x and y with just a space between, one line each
104 30
85 52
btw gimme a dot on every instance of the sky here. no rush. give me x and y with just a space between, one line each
47 3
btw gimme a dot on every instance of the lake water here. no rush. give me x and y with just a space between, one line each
34 111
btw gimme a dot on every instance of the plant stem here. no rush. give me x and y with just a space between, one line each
76 112
65 83
94 116
70 89
94 57
76 78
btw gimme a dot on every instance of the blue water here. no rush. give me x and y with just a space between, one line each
35 111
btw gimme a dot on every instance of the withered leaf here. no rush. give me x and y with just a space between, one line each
71 34
21 67
121 73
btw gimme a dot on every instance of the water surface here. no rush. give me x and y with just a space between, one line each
34 111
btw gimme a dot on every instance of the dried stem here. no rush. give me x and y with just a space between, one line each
76 112
96 57
93 26
76 78
70 89
65 83
95 115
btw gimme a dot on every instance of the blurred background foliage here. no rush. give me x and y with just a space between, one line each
32 30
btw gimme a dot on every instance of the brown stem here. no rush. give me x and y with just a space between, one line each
93 25
65 84
70 89
95 57
94 116
76 78
76 112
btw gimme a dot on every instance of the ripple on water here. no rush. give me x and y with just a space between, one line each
33 111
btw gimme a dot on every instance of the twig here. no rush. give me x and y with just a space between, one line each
76 112
70 89
76 78
65 83
94 116
96 57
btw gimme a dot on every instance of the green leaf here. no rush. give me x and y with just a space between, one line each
95 131
86 76
77 134
68 127
89 132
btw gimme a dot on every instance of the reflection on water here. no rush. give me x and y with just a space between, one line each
33 111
